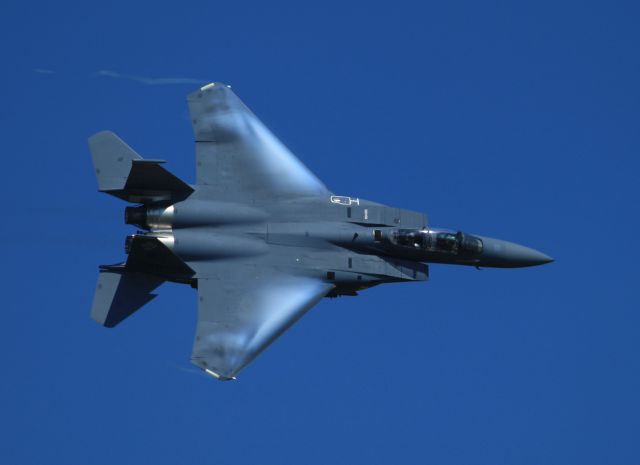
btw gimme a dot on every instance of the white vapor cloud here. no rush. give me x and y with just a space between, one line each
150 81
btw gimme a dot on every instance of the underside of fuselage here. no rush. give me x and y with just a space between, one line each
258 235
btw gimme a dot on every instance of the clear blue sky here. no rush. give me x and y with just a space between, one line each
512 120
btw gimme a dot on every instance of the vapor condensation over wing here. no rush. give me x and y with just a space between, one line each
149 80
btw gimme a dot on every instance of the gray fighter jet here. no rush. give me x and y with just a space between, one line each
259 236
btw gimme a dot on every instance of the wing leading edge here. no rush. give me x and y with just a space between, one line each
243 310
237 156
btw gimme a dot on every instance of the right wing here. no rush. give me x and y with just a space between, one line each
237 156
242 310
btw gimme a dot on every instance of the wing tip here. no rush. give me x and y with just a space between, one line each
100 134
208 88
218 376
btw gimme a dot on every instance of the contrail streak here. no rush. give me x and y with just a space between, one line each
148 80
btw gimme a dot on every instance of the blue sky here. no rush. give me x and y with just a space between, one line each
507 119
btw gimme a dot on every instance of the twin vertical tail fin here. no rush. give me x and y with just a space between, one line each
120 171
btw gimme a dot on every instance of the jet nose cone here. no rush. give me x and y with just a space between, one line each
503 254
543 258
519 255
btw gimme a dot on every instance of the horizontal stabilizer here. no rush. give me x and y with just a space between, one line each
119 295
121 172
148 175
149 253
111 159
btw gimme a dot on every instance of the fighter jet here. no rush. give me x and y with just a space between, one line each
258 235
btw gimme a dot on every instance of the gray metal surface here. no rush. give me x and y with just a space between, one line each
259 236
111 160
119 295
242 308
237 156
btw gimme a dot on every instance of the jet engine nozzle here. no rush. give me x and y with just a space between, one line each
136 216
128 242
154 217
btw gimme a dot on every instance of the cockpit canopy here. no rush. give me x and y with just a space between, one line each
437 241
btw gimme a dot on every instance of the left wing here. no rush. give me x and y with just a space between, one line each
236 154
242 310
